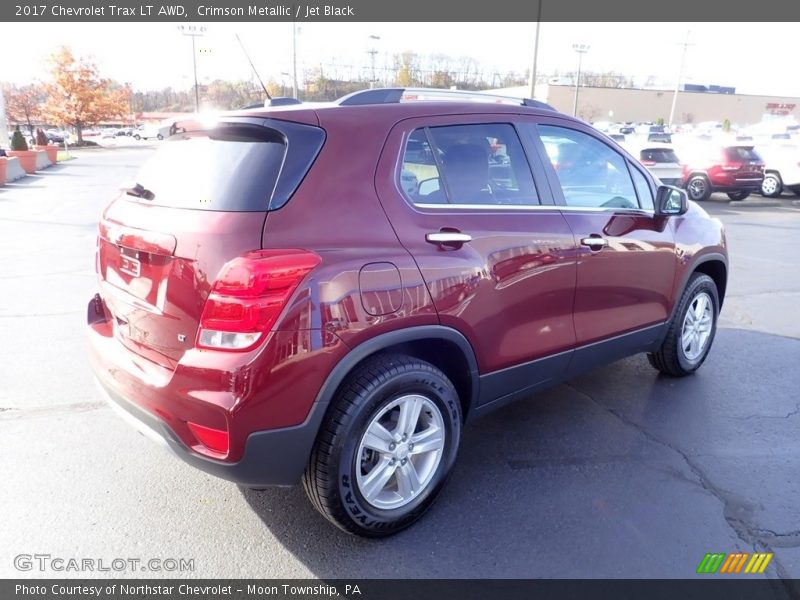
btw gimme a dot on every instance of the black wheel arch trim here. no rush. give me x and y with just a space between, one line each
692 269
393 338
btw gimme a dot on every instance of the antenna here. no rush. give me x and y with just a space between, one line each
252 66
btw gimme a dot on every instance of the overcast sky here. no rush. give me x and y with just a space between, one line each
753 57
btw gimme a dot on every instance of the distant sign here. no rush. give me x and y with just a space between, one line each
776 108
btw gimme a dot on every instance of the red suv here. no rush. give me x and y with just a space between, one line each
737 170
278 304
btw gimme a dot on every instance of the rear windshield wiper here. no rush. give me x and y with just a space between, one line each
139 191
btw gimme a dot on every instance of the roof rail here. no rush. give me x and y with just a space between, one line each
280 101
397 95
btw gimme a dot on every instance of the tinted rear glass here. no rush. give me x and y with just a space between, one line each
741 153
659 155
235 167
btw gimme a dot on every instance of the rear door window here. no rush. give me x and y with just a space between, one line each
481 164
233 167
735 153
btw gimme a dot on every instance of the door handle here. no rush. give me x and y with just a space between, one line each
594 243
453 238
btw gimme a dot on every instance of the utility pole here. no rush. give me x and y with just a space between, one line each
372 52
685 45
194 32
581 49
532 81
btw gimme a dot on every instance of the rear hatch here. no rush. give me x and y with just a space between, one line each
198 202
663 163
744 162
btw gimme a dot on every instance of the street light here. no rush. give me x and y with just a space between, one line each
685 45
295 31
581 49
532 79
194 32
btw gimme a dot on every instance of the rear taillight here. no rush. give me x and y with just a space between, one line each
248 296
731 166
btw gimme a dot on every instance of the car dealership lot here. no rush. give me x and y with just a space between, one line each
619 473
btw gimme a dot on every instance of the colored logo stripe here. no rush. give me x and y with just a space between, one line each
735 562
710 563
758 563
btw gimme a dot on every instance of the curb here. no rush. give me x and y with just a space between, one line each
756 203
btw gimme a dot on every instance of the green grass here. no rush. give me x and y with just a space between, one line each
63 155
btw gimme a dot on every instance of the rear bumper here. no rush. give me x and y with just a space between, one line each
274 457
272 417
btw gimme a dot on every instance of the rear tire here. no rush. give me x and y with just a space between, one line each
771 186
365 474
740 195
698 188
681 353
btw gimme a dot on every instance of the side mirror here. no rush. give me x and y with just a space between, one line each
671 201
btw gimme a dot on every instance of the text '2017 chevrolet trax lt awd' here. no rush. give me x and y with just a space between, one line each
327 293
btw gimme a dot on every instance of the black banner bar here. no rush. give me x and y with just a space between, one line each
703 588
405 11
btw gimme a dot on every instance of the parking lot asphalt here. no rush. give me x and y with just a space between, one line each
619 473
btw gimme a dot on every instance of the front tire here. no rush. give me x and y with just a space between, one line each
740 195
691 330
771 186
698 188
387 447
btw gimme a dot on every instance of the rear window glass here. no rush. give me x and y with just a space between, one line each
741 152
659 155
235 167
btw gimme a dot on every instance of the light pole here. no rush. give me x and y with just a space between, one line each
194 32
294 59
532 81
581 49
685 45
372 52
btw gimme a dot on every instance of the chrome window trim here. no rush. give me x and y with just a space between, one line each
538 207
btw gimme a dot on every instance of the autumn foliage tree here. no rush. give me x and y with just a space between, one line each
23 105
78 96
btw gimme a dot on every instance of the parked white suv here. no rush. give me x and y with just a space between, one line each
781 169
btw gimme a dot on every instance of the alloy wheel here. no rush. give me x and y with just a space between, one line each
697 325
400 452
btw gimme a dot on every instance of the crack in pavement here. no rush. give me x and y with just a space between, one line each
9 413
777 539
52 314
734 509
788 415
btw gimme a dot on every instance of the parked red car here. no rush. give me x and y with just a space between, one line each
277 304
737 170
